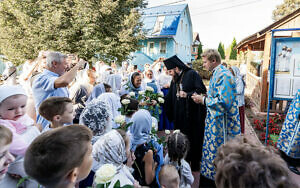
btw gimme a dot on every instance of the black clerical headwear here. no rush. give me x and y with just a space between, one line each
174 62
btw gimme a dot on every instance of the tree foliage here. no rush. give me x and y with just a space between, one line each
287 7
198 66
200 50
221 50
233 50
109 28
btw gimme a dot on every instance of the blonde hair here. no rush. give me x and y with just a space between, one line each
169 177
242 164
5 136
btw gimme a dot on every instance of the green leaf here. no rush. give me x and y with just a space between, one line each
100 186
117 184
127 186
22 180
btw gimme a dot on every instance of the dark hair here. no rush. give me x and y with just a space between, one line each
178 146
53 154
53 106
106 87
242 164
132 107
134 75
5 136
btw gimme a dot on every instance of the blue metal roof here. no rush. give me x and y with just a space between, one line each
172 16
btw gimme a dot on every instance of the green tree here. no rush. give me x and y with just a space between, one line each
110 28
287 7
200 50
221 50
233 50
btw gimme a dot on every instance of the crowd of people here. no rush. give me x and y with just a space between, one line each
59 128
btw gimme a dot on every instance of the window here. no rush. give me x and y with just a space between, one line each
150 47
159 24
163 47
195 49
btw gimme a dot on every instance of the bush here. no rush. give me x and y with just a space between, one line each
198 66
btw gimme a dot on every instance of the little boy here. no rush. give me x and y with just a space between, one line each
60 157
169 177
57 110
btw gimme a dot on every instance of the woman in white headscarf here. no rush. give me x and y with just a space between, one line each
97 116
111 149
96 92
113 101
114 80
150 81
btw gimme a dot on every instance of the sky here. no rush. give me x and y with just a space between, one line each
222 20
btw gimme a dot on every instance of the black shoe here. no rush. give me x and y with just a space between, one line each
295 170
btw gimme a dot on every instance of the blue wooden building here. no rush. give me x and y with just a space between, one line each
168 31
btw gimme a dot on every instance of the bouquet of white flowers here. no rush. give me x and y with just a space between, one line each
121 121
151 101
104 175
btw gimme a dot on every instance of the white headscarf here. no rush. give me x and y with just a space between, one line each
114 80
110 149
97 116
113 101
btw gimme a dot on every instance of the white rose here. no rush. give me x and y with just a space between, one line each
131 94
161 94
176 131
167 132
120 119
125 101
105 173
148 88
141 92
154 123
161 100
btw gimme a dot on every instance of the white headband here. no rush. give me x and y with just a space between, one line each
10 90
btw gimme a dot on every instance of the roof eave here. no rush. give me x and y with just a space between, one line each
268 28
160 36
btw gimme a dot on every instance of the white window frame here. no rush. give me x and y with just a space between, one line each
160 47
149 44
